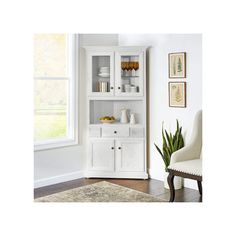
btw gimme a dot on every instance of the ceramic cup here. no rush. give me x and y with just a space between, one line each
133 89
127 88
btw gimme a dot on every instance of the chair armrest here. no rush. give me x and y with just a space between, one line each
185 154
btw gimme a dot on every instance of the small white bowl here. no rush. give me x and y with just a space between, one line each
104 75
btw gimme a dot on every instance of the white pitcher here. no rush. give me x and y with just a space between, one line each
124 117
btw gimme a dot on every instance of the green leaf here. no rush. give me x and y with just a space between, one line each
176 142
177 125
162 155
163 138
176 132
168 156
169 141
179 137
159 150
175 137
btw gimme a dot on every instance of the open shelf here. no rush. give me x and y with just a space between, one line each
100 108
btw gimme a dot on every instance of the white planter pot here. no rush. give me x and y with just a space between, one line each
178 181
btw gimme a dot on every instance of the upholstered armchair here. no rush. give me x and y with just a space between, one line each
187 161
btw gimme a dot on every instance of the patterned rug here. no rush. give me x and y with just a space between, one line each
100 192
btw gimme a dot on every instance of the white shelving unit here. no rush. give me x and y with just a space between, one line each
116 80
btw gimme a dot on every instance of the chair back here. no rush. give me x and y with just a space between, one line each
196 137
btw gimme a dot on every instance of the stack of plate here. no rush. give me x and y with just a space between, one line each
104 71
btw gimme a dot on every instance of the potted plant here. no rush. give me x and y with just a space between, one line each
171 143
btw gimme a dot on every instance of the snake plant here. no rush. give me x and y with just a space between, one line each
171 143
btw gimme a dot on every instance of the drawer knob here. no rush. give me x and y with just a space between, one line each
119 148
118 87
111 88
112 148
115 132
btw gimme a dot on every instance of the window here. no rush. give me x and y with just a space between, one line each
54 90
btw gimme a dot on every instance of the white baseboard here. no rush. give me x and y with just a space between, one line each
58 179
188 183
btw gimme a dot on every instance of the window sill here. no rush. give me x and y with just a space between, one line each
54 144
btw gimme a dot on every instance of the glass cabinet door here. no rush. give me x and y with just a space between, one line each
100 71
129 73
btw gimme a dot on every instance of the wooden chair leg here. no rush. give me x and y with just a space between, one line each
199 184
170 180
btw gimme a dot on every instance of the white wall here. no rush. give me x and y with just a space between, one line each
99 39
63 164
160 46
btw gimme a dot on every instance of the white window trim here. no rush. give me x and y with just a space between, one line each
73 122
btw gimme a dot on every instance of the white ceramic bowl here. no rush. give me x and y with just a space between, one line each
133 89
104 75
104 69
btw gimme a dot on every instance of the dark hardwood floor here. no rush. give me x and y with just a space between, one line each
150 186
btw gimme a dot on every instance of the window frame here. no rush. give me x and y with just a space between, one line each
72 108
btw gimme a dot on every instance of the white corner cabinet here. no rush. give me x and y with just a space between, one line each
116 80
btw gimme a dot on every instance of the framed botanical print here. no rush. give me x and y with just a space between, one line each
177 65
177 94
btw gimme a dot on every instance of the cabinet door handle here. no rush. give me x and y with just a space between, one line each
111 88
112 148
118 87
119 148
115 132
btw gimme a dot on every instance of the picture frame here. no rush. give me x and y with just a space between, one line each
177 94
177 65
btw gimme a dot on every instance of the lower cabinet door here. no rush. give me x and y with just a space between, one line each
130 155
102 155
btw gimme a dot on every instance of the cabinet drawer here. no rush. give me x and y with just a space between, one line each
95 132
115 131
136 132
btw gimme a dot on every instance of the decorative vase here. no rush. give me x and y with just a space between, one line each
178 181
132 119
124 116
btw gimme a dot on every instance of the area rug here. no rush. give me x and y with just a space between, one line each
100 192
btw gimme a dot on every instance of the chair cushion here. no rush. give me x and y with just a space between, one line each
193 167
